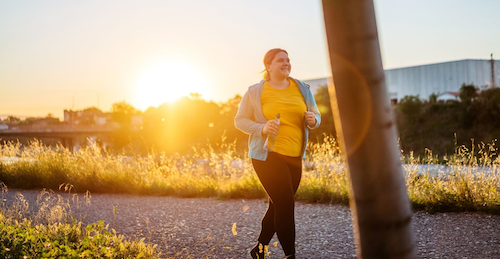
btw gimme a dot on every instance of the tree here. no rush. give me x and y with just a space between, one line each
12 120
176 127
327 125
122 112
411 107
467 93
487 108
433 98
379 201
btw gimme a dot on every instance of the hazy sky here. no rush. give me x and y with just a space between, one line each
57 55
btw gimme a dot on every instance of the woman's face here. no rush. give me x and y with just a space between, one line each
280 67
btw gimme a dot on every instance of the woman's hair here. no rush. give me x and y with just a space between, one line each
268 58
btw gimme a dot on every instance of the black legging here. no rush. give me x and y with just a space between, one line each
280 175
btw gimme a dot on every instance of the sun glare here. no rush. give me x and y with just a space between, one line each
167 82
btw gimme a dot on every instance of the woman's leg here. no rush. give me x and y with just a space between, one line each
267 225
280 176
295 167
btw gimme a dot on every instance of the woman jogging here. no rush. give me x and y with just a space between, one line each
279 167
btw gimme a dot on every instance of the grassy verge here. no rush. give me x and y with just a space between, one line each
51 232
25 240
469 180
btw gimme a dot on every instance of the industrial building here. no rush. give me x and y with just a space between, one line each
443 79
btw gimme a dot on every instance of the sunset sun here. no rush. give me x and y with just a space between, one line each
167 82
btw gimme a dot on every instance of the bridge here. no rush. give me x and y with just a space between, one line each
70 136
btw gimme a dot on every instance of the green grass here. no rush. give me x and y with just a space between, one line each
226 174
25 240
50 231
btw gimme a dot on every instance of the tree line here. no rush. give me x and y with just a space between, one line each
443 126
191 122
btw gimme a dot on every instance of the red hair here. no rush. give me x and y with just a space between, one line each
268 59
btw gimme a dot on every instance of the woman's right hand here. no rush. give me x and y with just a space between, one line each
272 127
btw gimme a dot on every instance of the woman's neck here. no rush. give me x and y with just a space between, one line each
279 83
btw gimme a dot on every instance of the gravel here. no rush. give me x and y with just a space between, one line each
203 227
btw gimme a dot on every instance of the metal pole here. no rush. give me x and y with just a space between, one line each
492 71
381 211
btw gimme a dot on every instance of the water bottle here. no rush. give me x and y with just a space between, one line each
271 138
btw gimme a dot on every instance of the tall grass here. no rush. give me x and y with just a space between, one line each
203 173
468 181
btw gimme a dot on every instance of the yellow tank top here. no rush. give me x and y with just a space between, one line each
291 106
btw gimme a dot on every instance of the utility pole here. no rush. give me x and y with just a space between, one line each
380 208
492 61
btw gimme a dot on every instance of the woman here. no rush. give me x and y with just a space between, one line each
278 170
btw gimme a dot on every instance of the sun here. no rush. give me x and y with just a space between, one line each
167 82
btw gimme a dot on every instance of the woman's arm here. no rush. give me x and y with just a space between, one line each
244 119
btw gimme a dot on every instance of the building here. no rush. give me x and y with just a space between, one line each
89 116
440 78
3 125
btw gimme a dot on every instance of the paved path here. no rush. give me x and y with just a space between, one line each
202 227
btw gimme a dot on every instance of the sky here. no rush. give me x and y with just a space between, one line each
57 55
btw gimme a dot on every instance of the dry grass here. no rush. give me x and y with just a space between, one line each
468 181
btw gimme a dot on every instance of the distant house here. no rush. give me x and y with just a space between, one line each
447 96
3 125
95 117
89 116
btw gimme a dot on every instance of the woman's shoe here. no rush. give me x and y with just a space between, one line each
292 256
258 252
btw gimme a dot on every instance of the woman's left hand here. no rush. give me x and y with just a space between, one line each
310 118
